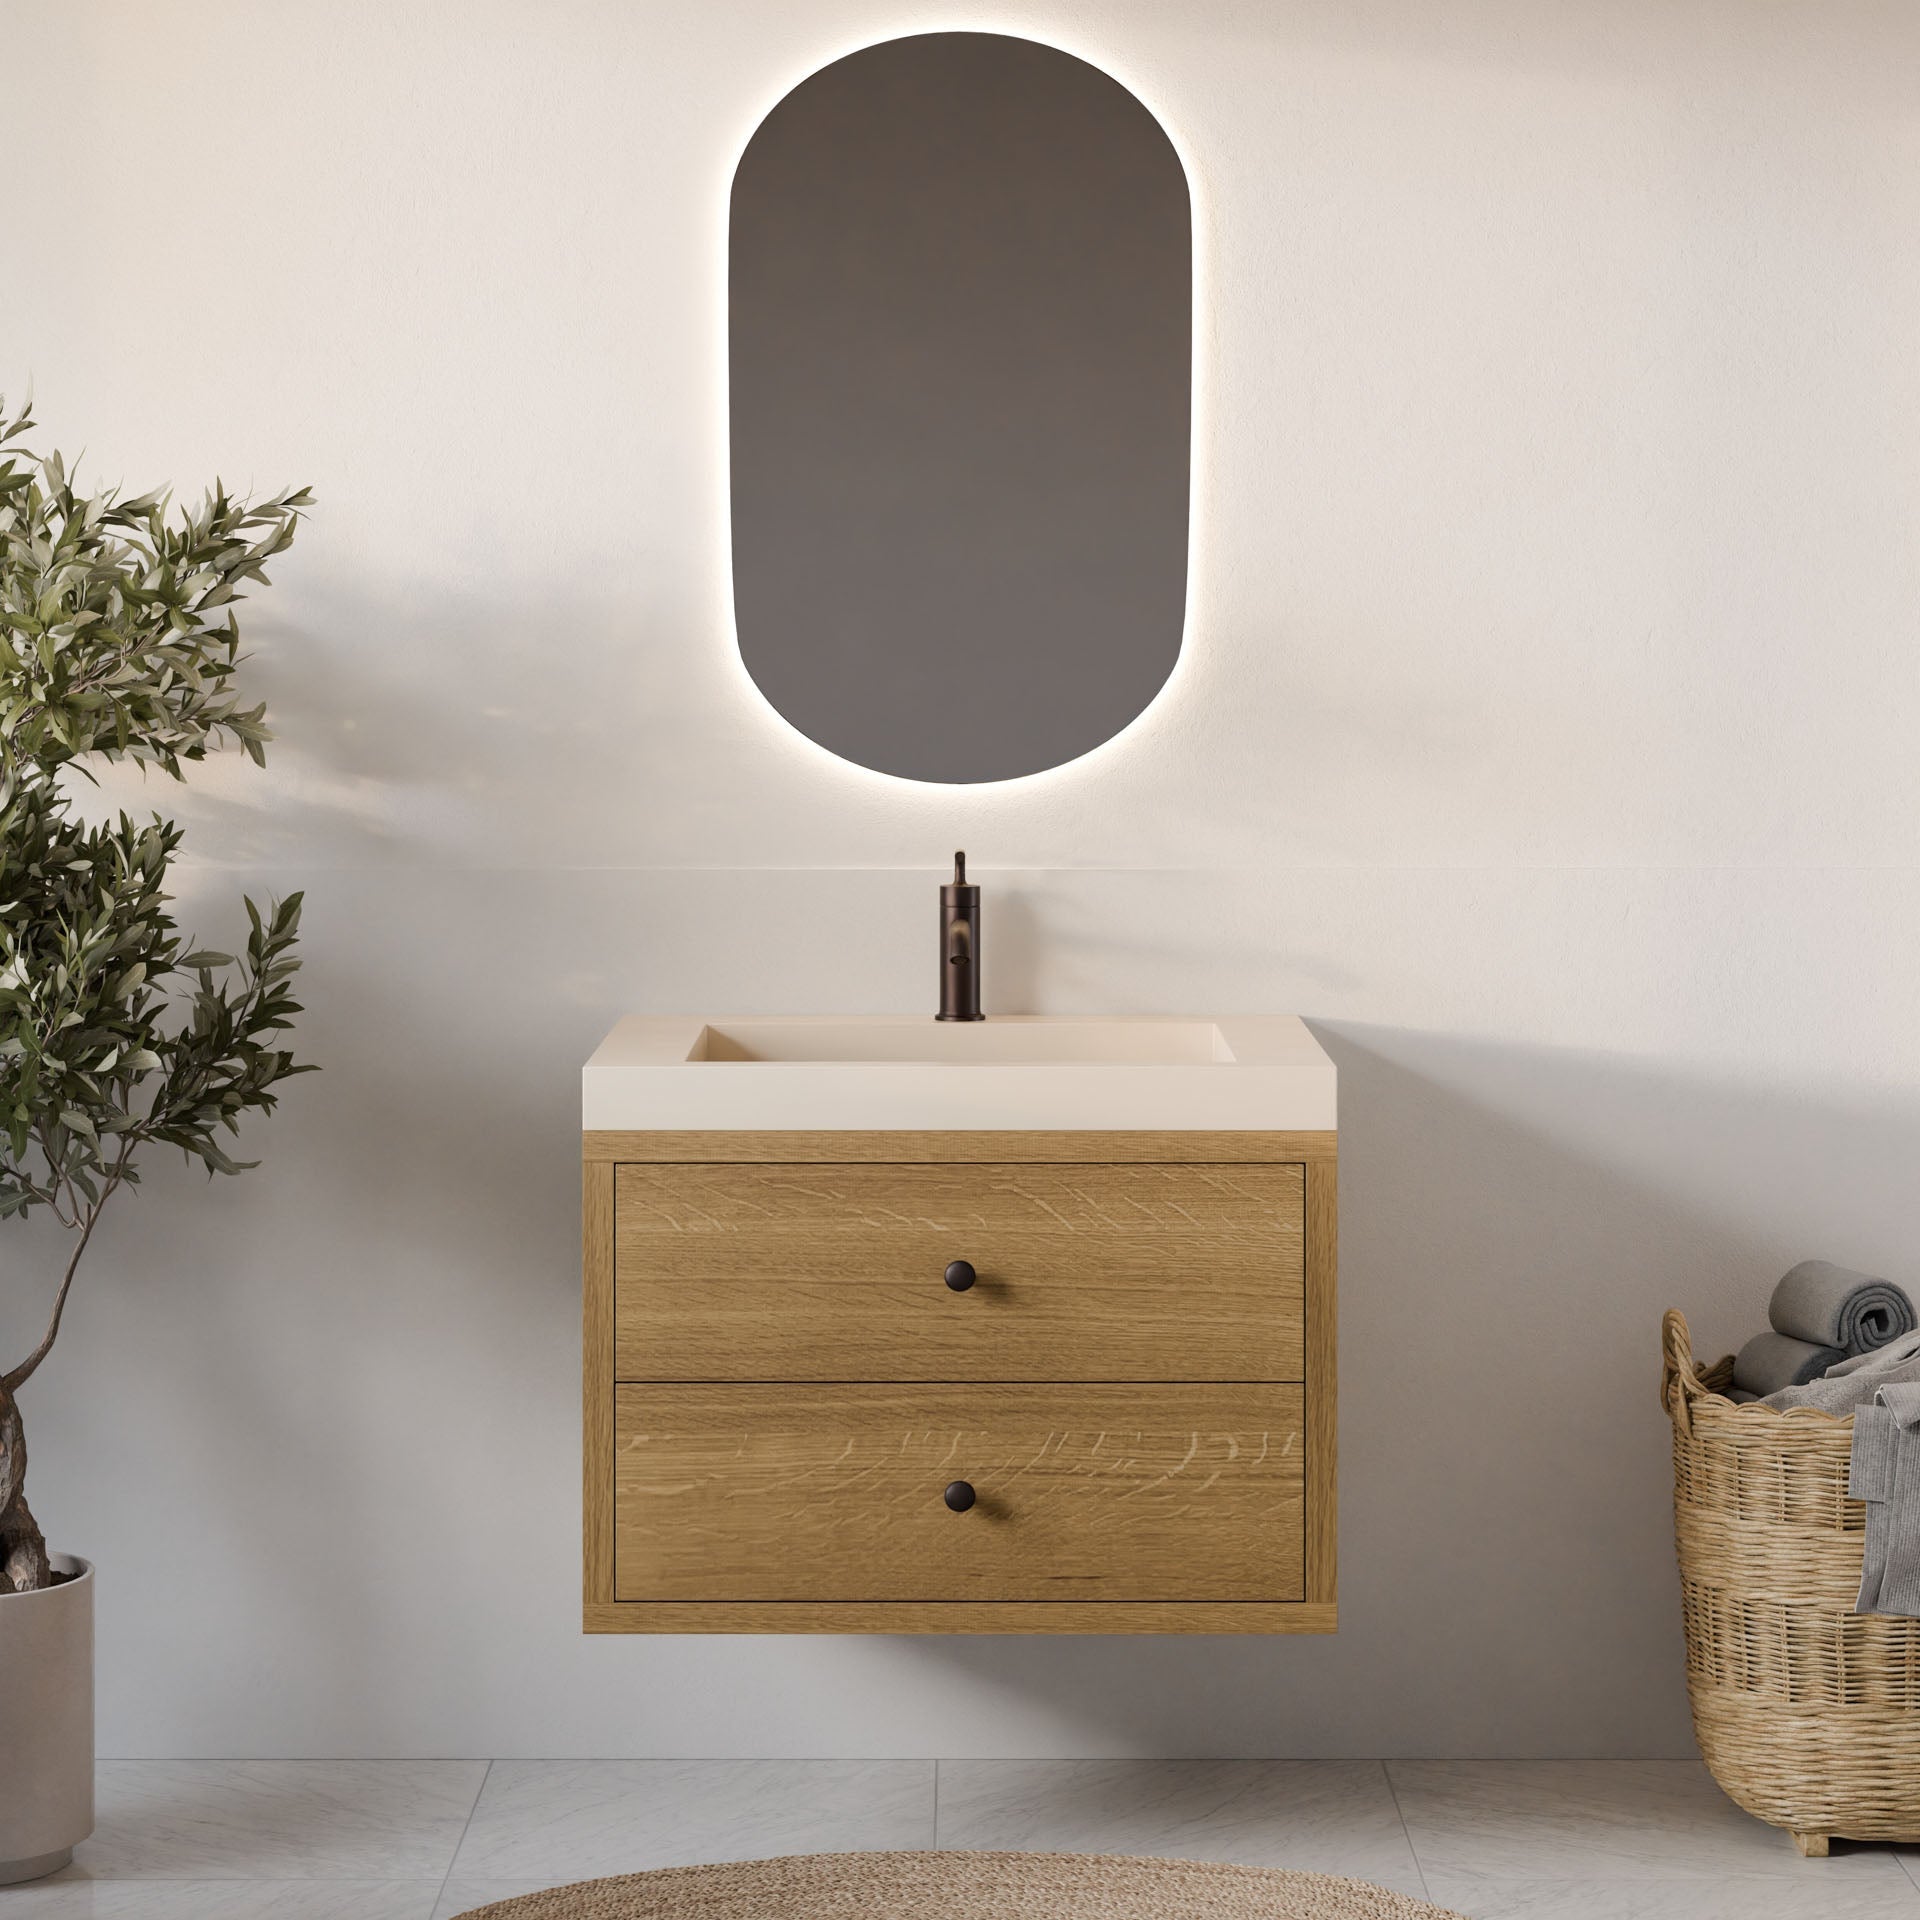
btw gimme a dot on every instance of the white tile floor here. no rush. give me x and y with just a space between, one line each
428 1839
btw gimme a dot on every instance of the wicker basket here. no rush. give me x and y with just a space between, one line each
1807 1714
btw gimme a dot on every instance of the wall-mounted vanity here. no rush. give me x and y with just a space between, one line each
1018 1327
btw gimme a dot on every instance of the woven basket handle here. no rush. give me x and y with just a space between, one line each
1680 1381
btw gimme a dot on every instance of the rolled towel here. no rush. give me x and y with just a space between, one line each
1770 1361
1829 1306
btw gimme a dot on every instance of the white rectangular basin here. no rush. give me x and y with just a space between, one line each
665 1072
966 1044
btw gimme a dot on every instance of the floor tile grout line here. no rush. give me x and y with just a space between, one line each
1399 1813
466 1827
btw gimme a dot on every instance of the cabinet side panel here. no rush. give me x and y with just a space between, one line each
596 1224
1322 1370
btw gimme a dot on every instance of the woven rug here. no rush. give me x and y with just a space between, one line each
966 1886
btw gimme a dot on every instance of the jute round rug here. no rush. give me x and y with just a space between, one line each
965 1886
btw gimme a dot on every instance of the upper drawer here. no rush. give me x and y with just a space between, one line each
836 1272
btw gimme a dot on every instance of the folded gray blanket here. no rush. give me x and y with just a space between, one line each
1770 1361
1829 1306
1855 1381
1885 1473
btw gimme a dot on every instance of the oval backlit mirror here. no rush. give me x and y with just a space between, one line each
960 351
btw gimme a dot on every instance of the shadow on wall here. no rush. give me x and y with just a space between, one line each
1513 1223
380 754
311 1382
307 1407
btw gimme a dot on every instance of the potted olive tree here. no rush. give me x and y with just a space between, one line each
117 641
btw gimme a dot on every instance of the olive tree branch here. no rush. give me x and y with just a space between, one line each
18 1377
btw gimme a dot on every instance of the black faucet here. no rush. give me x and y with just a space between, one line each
960 947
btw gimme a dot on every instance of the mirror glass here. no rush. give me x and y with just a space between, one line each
960 351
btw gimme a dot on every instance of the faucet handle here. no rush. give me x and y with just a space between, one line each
959 869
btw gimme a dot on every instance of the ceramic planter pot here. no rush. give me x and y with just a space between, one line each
46 1723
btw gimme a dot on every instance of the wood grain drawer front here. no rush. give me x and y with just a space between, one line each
809 1492
834 1272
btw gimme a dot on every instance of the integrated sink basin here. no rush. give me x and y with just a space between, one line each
1008 1071
1196 1043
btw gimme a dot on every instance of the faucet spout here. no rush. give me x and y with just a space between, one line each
960 946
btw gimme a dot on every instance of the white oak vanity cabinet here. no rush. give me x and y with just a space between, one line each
910 1378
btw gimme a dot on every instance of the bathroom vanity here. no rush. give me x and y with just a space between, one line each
1024 1326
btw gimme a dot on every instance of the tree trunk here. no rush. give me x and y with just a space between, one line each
23 1548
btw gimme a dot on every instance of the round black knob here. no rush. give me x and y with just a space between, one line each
959 1496
960 1275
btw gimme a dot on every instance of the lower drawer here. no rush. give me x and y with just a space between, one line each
835 1492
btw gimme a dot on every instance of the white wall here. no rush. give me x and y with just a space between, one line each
1546 736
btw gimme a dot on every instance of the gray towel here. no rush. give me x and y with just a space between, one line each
1829 1306
1854 1382
1870 1479
1770 1361
1885 1473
